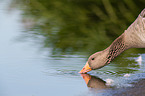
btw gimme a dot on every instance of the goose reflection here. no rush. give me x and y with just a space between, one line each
94 82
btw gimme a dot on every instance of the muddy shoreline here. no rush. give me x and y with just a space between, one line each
138 89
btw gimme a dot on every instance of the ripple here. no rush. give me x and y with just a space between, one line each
69 72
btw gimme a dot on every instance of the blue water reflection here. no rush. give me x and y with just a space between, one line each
26 69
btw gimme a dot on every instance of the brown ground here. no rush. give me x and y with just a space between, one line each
137 90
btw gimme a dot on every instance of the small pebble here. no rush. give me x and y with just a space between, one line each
139 60
127 75
109 81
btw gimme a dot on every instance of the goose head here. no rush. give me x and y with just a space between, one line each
96 61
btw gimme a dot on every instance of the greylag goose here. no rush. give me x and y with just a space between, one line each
133 37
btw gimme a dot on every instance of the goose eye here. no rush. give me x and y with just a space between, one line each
93 58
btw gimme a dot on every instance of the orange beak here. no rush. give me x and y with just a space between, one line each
86 68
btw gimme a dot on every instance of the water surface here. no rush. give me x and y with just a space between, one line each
27 69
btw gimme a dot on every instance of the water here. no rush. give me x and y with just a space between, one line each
26 69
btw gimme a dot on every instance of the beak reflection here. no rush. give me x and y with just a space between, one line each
94 82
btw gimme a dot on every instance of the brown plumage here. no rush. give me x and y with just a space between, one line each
133 37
